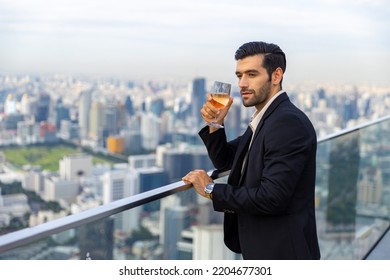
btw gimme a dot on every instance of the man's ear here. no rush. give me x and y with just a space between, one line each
277 76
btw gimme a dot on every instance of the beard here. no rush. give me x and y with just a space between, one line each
260 96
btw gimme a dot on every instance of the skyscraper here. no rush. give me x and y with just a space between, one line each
233 120
129 107
84 107
150 130
117 184
43 107
10 105
113 117
176 220
197 98
61 113
25 104
95 120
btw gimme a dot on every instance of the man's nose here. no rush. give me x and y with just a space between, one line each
243 82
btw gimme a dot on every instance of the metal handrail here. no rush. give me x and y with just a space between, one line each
352 129
25 236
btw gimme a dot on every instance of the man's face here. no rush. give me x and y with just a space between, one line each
254 81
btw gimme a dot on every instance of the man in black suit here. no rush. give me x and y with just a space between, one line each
268 200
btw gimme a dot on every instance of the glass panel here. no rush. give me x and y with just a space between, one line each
176 227
352 192
352 208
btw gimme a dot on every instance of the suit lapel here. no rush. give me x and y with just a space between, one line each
267 113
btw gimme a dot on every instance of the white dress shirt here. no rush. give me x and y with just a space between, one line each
255 120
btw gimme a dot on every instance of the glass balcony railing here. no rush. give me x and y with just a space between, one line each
352 190
172 222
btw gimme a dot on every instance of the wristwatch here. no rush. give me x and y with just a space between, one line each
208 190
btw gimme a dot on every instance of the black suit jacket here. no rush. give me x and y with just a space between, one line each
269 204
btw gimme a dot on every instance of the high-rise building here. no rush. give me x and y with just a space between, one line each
84 108
350 108
117 184
150 130
155 106
95 120
129 107
69 130
198 98
133 141
43 108
10 105
152 178
61 113
176 220
112 118
25 104
207 243
233 120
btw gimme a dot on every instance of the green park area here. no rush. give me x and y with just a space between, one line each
47 157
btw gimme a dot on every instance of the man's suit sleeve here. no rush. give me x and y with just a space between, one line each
221 153
273 172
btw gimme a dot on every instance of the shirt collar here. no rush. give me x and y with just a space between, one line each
258 115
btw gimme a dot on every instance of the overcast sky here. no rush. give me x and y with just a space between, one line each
344 41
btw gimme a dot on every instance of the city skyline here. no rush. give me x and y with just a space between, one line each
325 41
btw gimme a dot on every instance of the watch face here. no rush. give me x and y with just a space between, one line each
209 188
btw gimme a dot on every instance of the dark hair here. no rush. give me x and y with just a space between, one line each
274 57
